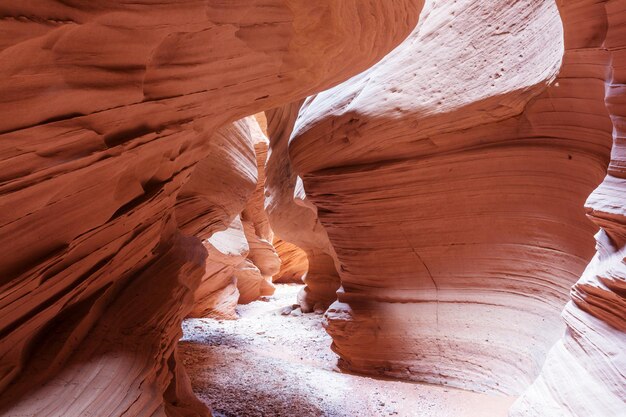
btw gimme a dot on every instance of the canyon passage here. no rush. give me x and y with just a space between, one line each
313 208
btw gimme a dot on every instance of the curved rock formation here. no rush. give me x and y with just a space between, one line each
250 282
256 224
241 260
451 178
584 372
445 187
231 160
222 183
108 107
217 295
294 262
293 218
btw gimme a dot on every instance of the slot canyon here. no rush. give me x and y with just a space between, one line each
339 208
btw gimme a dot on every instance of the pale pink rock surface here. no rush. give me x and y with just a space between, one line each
445 186
231 160
451 179
293 218
241 260
256 223
584 373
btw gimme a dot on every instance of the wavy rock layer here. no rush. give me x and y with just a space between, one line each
217 294
107 108
294 263
451 179
293 218
232 161
241 260
584 372
257 227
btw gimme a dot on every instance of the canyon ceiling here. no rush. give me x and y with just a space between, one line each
437 170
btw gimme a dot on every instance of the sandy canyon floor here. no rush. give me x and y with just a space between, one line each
268 364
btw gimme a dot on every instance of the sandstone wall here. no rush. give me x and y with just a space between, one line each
294 263
228 178
451 179
257 227
107 108
293 218
241 259
584 372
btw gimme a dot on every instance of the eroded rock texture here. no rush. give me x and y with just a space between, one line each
294 263
241 259
584 372
451 179
258 231
293 218
107 109
228 177
217 295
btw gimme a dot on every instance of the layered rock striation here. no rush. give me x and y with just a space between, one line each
108 109
438 196
584 372
293 218
256 224
241 259
228 178
294 263
451 179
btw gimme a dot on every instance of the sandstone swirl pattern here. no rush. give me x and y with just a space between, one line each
294 218
451 179
231 274
107 109
585 372
294 263
261 255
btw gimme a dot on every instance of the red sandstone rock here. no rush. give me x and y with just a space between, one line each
446 183
232 160
107 109
294 263
217 294
293 218
584 372
241 259
256 224
451 178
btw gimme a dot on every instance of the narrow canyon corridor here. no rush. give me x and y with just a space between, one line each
312 208
269 364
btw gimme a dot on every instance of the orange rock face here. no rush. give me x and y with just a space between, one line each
584 372
257 227
451 179
218 294
294 218
241 260
294 263
108 108
232 160
444 198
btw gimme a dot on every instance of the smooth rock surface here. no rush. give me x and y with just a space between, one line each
241 260
585 372
257 228
451 179
294 263
107 109
439 196
293 218
226 179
